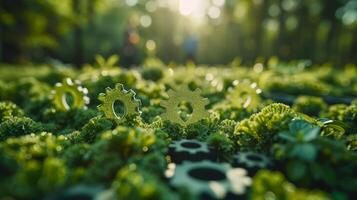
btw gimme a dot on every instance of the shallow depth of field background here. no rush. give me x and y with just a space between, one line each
205 31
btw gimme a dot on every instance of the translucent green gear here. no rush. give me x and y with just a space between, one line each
234 180
245 94
184 94
131 104
79 93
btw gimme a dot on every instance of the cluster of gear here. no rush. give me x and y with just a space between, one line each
251 161
74 88
244 94
192 166
184 94
131 104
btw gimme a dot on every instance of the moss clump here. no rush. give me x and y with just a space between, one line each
18 126
152 73
94 128
33 166
310 105
258 131
9 109
273 185
131 183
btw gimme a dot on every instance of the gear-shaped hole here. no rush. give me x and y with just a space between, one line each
191 145
185 110
119 108
207 174
68 100
254 157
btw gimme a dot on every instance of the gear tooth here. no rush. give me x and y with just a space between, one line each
170 93
100 107
101 97
68 81
120 87
108 89
131 94
138 102
85 90
86 99
198 91
78 82
206 101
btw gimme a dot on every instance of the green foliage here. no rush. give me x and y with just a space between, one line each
131 183
258 131
39 170
221 145
115 148
152 73
344 113
305 153
352 142
93 128
273 185
309 105
296 84
18 126
8 109
85 147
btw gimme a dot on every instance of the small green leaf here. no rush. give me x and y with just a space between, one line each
304 151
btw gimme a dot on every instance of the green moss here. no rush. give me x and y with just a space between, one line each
152 73
39 170
93 128
258 131
273 185
344 113
9 109
131 183
18 126
310 105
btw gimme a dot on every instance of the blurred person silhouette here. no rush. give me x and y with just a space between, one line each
190 46
129 52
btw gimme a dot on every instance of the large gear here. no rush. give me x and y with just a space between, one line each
184 94
131 104
74 88
252 161
244 94
207 178
192 150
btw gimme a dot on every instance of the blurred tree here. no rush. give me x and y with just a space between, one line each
75 31
28 25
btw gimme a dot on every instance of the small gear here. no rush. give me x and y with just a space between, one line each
192 150
184 94
252 161
245 94
206 178
131 104
79 93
